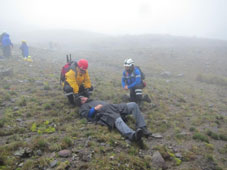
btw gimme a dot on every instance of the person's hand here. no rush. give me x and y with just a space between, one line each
76 99
126 87
98 107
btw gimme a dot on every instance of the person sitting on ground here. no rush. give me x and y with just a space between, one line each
131 80
77 81
111 115
24 49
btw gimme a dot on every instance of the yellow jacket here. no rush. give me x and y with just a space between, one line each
76 79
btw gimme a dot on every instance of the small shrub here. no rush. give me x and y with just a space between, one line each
22 102
223 137
66 142
213 135
47 106
6 86
2 122
192 129
40 143
201 137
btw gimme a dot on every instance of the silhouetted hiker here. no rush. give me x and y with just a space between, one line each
24 49
111 115
77 80
132 80
6 44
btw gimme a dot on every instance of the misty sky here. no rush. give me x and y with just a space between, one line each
200 18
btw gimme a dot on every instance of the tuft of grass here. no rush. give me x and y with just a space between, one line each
47 106
40 143
213 135
201 137
22 102
66 142
212 79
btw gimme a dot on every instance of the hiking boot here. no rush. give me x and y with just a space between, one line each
145 131
137 135
146 98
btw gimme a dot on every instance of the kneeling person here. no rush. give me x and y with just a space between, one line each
77 81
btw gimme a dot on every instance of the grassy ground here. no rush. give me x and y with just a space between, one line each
188 109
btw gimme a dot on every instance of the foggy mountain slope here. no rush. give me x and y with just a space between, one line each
188 111
77 39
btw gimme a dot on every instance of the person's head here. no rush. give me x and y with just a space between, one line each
129 64
83 100
82 65
80 100
23 42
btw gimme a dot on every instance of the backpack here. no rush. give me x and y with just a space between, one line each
66 68
141 72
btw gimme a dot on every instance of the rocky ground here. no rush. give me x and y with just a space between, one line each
39 129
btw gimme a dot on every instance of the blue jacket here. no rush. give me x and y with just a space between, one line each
132 79
24 49
5 40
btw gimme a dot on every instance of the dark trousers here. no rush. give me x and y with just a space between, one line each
136 93
82 92
6 51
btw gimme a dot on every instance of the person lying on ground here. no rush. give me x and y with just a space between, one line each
111 115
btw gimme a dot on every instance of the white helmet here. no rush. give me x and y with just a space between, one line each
128 62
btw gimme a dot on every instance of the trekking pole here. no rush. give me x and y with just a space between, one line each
67 58
70 58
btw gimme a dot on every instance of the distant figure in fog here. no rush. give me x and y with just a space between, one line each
24 49
6 44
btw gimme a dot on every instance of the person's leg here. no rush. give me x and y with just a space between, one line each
140 122
69 93
135 111
138 94
127 132
132 95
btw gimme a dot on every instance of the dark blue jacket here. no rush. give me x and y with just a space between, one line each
131 79
24 49
5 40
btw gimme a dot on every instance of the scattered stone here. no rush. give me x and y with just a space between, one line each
39 152
52 155
85 156
184 134
6 72
111 157
19 152
64 153
23 152
21 164
53 163
178 155
165 74
158 161
15 108
180 75
19 120
157 136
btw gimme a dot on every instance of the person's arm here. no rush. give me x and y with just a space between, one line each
123 80
87 112
138 79
87 81
70 77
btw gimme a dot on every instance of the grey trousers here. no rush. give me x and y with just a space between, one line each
123 127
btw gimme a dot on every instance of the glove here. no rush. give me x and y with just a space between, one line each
86 93
76 99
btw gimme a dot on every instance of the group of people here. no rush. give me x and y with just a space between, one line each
77 87
6 46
